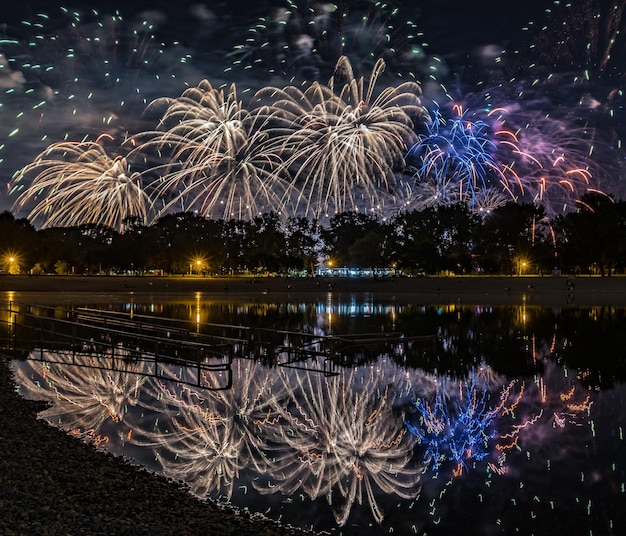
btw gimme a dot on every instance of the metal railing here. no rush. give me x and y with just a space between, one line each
116 339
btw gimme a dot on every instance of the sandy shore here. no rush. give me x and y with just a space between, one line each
552 291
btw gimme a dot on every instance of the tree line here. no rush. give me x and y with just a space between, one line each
512 239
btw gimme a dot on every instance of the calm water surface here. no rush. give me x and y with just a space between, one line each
443 419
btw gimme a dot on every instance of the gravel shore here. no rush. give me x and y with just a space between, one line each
53 484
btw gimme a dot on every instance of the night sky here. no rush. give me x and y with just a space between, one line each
451 27
66 80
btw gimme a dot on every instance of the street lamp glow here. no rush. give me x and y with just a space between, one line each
12 264
198 263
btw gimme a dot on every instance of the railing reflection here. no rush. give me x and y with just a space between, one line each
87 339
139 337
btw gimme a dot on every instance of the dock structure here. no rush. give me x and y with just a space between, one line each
159 346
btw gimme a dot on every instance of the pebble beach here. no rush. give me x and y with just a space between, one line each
54 484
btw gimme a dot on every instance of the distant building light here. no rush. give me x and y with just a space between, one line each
357 272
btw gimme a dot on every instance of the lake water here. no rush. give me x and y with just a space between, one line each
443 419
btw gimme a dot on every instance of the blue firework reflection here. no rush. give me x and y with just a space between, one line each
455 429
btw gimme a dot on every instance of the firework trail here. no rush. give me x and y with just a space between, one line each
302 41
458 432
482 417
85 394
69 75
550 129
572 63
490 152
548 160
219 161
455 161
204 436
581 44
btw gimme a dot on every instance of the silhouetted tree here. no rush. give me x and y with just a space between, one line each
264 249
509 233
94 247
177 240
414 247
595 234
301 244
355 239
18 240
58 248
131 249
435 239
235 235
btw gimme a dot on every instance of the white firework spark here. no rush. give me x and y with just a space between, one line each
219 162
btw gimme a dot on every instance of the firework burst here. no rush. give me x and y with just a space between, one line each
84 395
211 435
458 431
71 73
342 141
340 438
78 183
573 63
548 160
316 149
455 161
486 152
219 162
